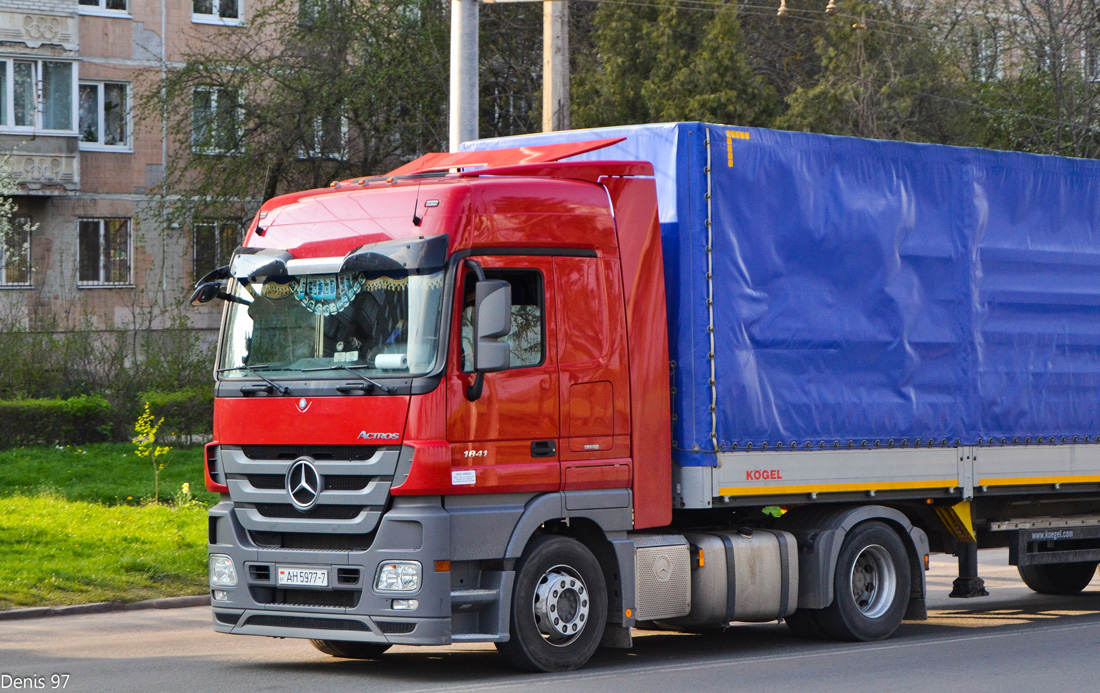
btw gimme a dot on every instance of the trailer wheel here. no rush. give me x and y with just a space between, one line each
870 585
1058 578
559 607
351 650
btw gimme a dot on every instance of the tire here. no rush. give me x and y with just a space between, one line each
1058 578
559 607
351 650
870 586
803 623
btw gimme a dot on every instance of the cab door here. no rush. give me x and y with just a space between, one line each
507 439
593 374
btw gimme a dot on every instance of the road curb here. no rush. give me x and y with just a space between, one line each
104 607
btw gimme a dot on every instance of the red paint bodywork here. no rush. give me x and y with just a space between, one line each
601 392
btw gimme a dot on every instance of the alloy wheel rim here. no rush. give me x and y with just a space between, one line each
873 581
561 605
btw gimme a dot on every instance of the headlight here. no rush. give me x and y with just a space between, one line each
222 571
398 576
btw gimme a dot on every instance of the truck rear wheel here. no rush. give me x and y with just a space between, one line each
559 607
1058 578
870 586
351 650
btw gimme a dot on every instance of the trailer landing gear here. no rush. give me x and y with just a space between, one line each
968 584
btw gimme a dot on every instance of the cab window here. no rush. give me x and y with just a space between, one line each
527 336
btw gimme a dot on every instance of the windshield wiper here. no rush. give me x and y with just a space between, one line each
352 369
255 370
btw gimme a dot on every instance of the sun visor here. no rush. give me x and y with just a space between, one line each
403 255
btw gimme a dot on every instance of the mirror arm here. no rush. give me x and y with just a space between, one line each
233 299
475 267
473 392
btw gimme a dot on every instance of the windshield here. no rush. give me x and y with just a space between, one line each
376 324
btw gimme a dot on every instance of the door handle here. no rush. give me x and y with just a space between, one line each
544 448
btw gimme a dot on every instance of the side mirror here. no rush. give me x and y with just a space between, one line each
492 322
205 292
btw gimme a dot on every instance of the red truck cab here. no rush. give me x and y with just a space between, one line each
428 386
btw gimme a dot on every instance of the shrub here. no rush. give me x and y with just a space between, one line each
185 412
83 419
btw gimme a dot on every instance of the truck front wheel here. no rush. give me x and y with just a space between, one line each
870 585
1058 578
559 607
351 650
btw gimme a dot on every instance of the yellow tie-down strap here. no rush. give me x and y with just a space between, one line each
732 135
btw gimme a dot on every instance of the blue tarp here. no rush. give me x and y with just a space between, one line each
871 291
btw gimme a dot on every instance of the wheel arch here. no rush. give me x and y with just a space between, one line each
601 530
820 531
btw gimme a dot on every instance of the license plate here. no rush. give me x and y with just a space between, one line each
303 577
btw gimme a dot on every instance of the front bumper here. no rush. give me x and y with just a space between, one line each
414 529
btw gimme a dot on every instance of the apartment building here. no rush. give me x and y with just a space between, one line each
93 246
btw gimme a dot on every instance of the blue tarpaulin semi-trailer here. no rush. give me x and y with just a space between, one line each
869 292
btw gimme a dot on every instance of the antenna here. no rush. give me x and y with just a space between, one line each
419 180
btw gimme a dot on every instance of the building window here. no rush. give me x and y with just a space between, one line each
105 6
309 11
15 253
37 95
1090 63
104 120
215 241
215 120
104 252
986 59
217 11
327 139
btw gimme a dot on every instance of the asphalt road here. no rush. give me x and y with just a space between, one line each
1013 640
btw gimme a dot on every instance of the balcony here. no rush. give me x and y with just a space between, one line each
45 165
38 109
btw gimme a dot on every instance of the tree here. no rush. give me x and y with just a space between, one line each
15 236
510 68
1034 74
305 93
667 61
885 73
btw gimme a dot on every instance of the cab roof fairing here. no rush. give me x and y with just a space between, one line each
483 211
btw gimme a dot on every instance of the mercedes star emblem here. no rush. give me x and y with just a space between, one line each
303 484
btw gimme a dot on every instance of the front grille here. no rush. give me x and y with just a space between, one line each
395 627
318 512
228 619
334 482
301 541
306 622
357 453
355 483
344 598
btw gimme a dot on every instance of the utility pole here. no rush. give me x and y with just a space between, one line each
555 65
464 63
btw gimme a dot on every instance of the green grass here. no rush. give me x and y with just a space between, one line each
56 551
78 525
108 473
